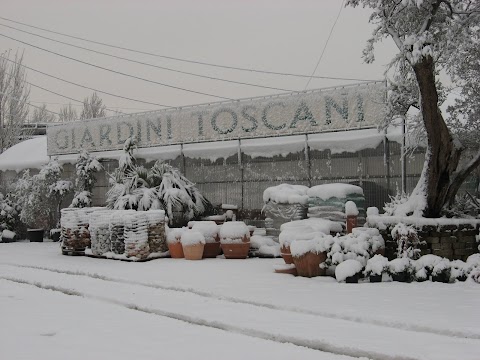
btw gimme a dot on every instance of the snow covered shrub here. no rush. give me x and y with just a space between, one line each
441 271
399 199
464 206
423 267
459 270
407 241
86 167
40 196
9 213
400 269
377 265
162 187
348 269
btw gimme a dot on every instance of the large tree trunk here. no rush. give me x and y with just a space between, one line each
443 154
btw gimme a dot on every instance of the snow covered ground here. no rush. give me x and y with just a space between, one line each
57 307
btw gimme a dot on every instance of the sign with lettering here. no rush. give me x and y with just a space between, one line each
352 107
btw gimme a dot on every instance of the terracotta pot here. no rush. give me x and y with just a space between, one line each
176 250
286 270
236 251
211 250
286 254
308 265
193 252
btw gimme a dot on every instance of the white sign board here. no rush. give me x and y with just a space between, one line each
352 107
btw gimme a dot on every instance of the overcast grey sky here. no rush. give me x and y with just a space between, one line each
274 35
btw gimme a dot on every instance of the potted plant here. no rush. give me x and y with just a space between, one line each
423 266
193 243
375 268
349 271
309 255
288 235
441 271
235 240
174 242
400 269
209 230
459 270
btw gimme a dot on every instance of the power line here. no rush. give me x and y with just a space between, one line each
116 71
110 109
28 103
146 64
186 60
86 87
326 44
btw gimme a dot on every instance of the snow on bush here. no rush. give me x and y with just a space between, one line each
473 261
209 229
86 167
372 210
7 234
427 262
376 265
339 190
351 209
192 237
442 267
161 187
321 243
9 213
234 232
347 268
459 270
286 194
407 241
174 235
399 265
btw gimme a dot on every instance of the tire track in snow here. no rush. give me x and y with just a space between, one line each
346 317
313 345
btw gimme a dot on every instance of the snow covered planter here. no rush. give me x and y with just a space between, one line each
309 255
328 201
75 234
375 268
351 212
235 240
209 229
193 243
348 271
400 269
284 203
174 237
136 235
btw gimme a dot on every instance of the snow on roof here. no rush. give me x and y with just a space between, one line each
339 190
31 153
211 150
286 194
268 147
346 141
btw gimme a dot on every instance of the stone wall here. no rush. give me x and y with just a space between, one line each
452 242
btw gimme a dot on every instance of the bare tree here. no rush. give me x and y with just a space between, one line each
93 108
67 113
42 115
14 94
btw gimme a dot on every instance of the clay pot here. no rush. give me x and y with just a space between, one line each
236 251
176 250
286 254
193 252
308 265
376 278
352 279
211 250
286 269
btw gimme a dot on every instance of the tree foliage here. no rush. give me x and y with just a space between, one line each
42 115
431 36
161 187
93 108
86 167
67 113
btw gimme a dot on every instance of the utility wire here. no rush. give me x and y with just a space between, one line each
186 60
116 71
28 103
64 104
146 64
325 46
86 87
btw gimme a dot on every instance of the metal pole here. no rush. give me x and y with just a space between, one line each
241 171
404 163
307 159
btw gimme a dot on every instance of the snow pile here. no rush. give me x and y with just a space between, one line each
338 190
7 234
289 235
192 237
320 225
286 194
234 232
347 268
376 265
174 235
319 244
372 211
209 230
264 246
399 265
351 209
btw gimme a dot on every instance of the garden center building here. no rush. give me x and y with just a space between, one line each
234 150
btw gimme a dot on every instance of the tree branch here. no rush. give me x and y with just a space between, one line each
459 176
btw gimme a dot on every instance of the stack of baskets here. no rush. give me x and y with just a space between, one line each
100 231
75 234
156 231
136 235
